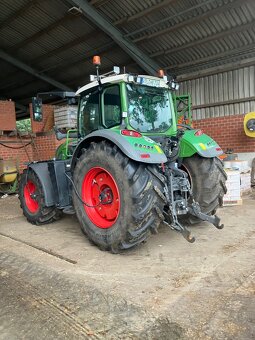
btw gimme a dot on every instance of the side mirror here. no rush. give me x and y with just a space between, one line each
37 109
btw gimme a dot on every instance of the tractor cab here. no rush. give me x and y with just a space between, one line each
122 101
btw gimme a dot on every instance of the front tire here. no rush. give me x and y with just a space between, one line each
32 200
134 208
207 178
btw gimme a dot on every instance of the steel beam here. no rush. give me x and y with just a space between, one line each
145 12
194 20
35 73
98 3
234 4
21 107
167 19
96 33
21 11
210 38
215 70
237 52
57 50
145 62
20 115
68 45
47 29
86 57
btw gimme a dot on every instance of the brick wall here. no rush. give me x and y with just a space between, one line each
48 119
45 142
228 132
21 155
7 115
45 147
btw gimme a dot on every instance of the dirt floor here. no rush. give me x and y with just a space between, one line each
54 284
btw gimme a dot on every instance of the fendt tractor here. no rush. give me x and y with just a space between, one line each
128 167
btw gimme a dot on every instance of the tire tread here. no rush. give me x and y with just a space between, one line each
146 202
46 214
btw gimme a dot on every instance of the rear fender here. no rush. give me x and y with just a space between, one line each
140 149
55 185
202 144
42 172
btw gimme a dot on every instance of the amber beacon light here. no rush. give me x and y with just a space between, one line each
96 60
161 73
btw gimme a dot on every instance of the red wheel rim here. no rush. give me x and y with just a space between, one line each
98 181
31 202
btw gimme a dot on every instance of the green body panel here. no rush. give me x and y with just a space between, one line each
140 149
144 143
61 151
203 145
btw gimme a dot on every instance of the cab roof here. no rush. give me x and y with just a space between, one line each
117 79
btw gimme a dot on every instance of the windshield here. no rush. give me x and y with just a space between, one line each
148 108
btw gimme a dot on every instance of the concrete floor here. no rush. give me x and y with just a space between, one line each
55 285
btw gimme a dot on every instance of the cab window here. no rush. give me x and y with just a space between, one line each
111 106
90 112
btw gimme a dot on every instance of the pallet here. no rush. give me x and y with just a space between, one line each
231 203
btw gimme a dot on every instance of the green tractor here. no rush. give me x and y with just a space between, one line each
128 167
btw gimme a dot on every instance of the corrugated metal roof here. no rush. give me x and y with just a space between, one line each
182 36
209 92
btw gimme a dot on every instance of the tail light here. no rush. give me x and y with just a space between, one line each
131 133
199 133
145 155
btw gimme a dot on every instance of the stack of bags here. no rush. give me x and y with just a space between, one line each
238 182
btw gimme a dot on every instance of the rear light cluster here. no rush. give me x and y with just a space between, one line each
145 155
131 133
199 133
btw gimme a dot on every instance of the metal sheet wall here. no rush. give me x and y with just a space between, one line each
222 87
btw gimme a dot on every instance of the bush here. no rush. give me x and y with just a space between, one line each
24 125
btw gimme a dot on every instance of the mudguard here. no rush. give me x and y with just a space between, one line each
202 144
140 149
42 172
55 184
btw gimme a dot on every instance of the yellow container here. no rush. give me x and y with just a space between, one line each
8 171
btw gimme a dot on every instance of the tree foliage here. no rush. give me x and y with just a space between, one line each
24 125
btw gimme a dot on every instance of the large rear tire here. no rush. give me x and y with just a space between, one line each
134 210
32 200
207 178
